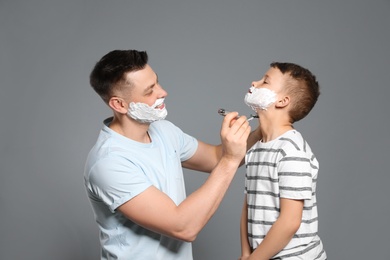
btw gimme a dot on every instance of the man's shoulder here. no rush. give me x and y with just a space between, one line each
162 124
165 127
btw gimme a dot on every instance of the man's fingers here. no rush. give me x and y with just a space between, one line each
240 124
229 119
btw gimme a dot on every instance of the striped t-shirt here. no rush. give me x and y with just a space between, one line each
283 168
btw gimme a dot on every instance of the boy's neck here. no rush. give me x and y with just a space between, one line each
272 129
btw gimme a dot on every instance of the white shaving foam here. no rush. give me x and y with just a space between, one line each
260 98
144 113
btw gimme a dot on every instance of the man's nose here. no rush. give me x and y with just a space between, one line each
162 93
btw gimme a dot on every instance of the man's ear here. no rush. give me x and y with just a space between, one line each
118 104
283 102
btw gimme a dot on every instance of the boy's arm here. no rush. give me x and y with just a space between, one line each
281 231
245 248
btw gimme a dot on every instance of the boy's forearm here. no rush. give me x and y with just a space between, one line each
277 238
245 248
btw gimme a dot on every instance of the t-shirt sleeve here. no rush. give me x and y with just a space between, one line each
295 176
115 181
186 144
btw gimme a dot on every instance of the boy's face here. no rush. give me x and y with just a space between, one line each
273 80
267 91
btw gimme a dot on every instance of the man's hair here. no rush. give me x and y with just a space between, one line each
302 87
111 69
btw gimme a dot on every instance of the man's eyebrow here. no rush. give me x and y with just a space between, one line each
151 85
147 89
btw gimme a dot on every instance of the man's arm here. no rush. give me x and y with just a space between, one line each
207 156
254 136
154 210
281 231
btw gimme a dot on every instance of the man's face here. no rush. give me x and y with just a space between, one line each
145 87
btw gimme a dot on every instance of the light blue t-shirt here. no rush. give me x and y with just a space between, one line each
118 169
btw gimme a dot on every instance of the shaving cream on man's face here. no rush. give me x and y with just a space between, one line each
260 98
144 113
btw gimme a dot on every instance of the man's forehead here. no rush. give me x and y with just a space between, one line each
142 79
144 73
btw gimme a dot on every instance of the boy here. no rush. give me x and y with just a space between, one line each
279 217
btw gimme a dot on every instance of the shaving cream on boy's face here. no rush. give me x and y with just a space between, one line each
144 113
260 98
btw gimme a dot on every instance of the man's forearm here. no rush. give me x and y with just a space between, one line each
201 205
253 138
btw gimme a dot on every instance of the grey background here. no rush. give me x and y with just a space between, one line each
206 54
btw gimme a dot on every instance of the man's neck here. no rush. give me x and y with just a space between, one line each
130 128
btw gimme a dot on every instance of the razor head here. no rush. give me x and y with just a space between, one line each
222 112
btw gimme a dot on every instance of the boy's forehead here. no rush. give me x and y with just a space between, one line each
274 74
277 79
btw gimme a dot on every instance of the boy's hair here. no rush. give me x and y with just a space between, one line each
302 87
111 68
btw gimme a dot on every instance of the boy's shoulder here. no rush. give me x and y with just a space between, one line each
295 146
293 142
292 139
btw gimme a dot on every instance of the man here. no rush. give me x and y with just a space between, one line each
133 174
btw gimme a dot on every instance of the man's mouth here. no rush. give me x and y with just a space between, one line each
160 106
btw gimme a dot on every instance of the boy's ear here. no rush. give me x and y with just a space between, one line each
283 102
118 104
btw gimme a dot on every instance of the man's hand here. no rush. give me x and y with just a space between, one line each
234 134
